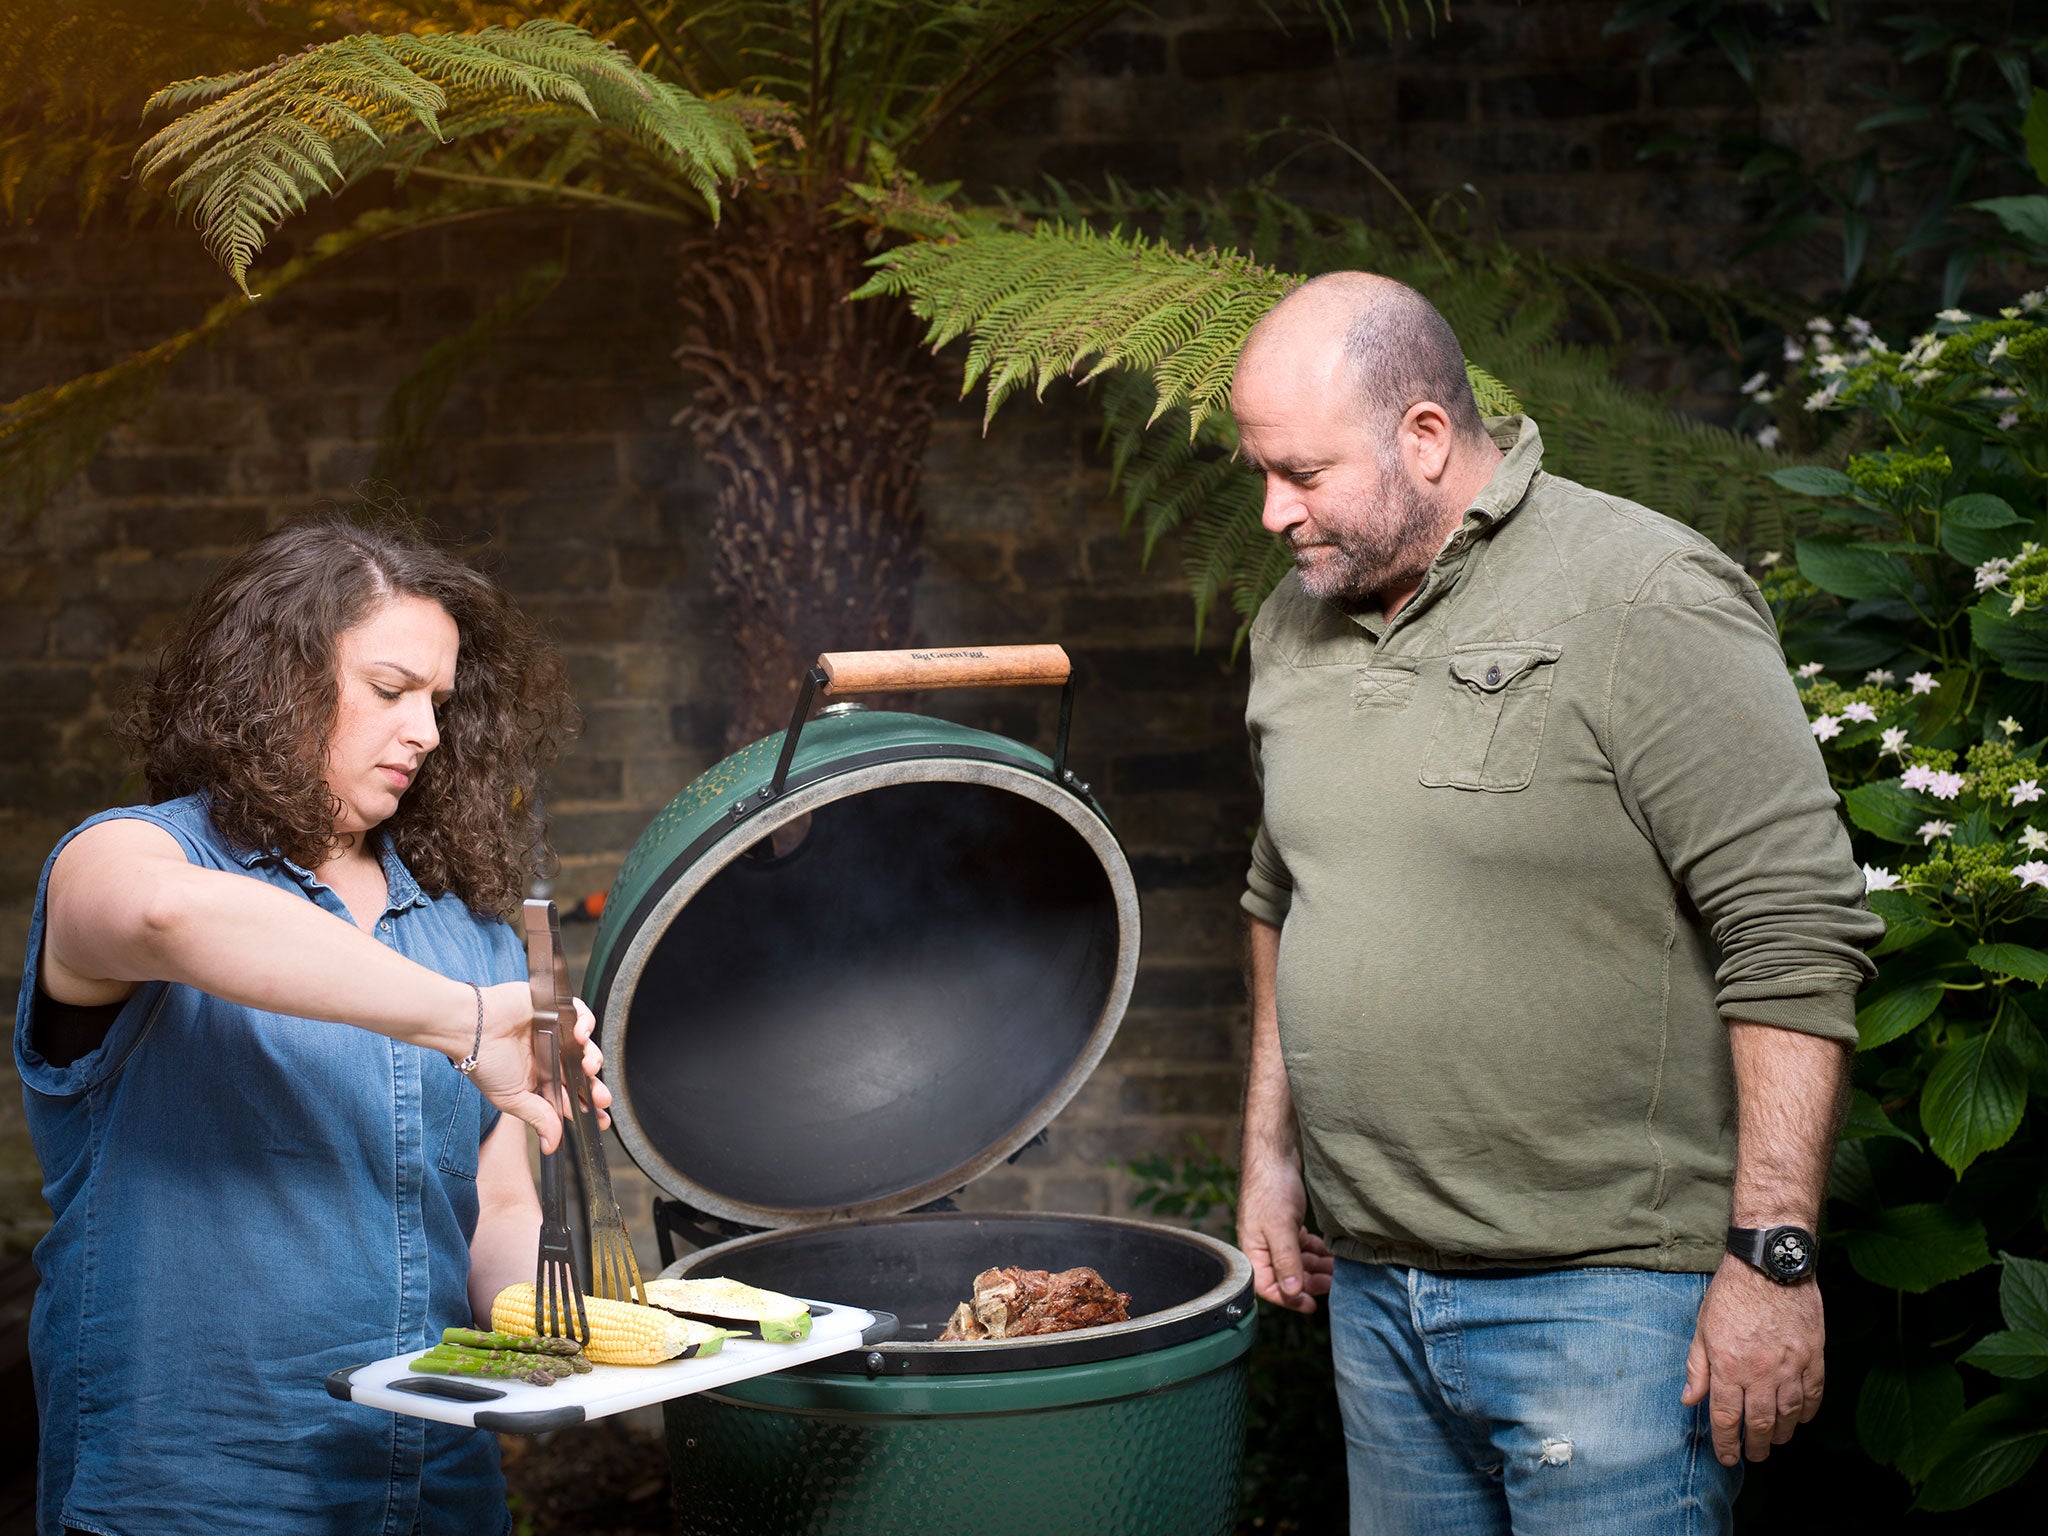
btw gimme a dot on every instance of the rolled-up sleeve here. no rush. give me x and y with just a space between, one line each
1717 763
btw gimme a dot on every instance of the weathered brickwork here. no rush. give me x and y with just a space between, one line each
555 458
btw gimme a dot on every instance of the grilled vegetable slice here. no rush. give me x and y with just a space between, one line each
777 1318
621 1332
557 1366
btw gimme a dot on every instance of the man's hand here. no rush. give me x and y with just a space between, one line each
1290 1265
1758 1351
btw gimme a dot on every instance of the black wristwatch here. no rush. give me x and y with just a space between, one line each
1784 1254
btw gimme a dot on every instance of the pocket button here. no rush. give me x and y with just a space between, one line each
1493 676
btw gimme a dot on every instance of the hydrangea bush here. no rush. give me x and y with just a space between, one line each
1917 619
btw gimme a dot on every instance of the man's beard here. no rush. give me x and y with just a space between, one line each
1372 555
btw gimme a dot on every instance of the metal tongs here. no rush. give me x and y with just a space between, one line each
615 1271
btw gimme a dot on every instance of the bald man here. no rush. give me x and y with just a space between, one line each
1554 941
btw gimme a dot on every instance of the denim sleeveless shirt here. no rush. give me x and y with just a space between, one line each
244 1202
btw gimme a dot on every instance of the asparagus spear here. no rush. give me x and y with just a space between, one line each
555 1365
441 1365
477 1338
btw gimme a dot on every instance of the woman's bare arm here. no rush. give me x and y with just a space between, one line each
508 1219
125 907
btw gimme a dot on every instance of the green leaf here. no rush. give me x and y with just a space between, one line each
1895 1014
1989 1448
1867 1120
1814 480
1851 1180
2026 217
1973 1100
2020 642
1888 809
1917 1247
1973 545
1901 1414
1906 921
2023 1293
2035 134
1978 510
2011 960
2016 1354
1834 565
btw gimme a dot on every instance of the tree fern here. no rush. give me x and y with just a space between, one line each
256 145
1165 322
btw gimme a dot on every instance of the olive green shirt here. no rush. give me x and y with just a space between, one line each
1529 846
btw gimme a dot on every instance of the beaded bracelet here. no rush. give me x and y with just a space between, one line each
468 1063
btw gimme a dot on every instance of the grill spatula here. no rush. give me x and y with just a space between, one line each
615 1272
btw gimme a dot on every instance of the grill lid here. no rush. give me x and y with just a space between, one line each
855 994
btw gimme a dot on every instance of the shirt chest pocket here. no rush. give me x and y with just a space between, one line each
1490 728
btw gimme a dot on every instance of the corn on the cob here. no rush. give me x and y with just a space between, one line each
621 1332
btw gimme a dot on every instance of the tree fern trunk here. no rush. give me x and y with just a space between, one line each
815 413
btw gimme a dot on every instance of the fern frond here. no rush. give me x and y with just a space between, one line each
1060 299
1166 323
261 143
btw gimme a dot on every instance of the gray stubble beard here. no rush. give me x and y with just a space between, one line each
1373 557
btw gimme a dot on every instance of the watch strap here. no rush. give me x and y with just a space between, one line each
1747 1244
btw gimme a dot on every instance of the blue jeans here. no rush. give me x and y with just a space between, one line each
1542 1404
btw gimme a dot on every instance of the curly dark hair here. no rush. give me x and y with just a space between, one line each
245 695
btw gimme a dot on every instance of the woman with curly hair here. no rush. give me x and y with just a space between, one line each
267 1029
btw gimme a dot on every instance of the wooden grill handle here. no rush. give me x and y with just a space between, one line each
975 666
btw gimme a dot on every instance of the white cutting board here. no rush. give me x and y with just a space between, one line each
520 1408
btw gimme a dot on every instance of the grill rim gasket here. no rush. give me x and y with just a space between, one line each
1224 1305
698 864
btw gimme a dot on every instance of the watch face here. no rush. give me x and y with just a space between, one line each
1788 1253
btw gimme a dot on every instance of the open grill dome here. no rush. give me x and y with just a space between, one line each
872 988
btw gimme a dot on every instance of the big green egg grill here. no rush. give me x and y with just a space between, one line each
848 970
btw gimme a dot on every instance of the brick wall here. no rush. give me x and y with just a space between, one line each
556 454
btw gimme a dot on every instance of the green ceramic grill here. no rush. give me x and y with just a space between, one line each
848 970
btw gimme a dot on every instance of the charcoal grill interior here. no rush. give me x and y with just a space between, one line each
920 1267
825 1026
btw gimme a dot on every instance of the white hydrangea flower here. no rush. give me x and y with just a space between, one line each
1861 713
1812 668
1926 375
1858 327
1930 830
2010 726
1992 572
1880 676
2033 839
2034 300
1945 786
1834 362
1893 742
1820 325
1998 350
1916 777
1755 382
2033 872
1954 316
1875 879
1922 682
1794 352
1769 558
2010 312
1827 727
1821 399
2007 420
2018 603
1768 435
2026 791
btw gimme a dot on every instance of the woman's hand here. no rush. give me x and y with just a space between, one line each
507 1073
